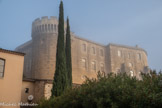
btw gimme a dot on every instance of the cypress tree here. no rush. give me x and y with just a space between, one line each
68 54
60 76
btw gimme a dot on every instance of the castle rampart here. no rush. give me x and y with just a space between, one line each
88 57
44 25
44 37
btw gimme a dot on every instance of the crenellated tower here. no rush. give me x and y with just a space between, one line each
44 39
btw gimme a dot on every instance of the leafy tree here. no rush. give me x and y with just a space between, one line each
60 76
68 54
112 91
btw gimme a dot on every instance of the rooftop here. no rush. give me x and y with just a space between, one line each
11 52
129 47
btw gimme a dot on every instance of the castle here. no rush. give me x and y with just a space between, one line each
88 58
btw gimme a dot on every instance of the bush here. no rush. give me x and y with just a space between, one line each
111 91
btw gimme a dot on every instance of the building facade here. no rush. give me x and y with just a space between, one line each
11 74
88 58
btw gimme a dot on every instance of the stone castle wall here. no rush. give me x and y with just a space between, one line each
87 57
44 37
27 49
132 60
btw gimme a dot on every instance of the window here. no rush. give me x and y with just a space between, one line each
84 47
48 27
129 55
45 27
102 67
42 41
84 63
130 65
2 66
40 28
94 65
101 52
131 73
139 56
93 50
119 53
55 27
26 90
51 27
37 28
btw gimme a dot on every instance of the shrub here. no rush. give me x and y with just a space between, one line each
111 91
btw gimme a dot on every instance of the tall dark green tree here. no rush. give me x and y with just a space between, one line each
60 76
68 54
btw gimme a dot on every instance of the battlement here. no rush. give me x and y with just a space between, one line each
44 25
45 19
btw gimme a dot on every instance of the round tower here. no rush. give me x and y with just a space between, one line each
44 39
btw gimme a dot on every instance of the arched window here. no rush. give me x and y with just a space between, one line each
102 67
93 65
93 50
84 47
101 52
84 63
2 66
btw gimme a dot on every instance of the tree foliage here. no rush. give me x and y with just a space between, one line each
60 76
68 54
112 91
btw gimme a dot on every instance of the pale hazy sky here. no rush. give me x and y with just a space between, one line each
127 22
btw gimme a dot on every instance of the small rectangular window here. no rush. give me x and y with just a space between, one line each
26 90
84 63
129 55
93 50
94 65
84 47
55 27
119 53
101 52
139 56
2 66
130 65
102 67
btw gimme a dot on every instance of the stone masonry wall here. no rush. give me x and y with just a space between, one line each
126 59
87 57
